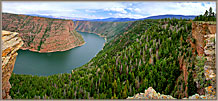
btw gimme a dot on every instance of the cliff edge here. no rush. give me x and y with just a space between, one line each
10 44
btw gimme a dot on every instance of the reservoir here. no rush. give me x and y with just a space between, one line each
44 64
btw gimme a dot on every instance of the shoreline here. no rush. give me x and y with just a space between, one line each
33 50
105 38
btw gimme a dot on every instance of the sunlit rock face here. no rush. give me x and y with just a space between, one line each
11 42
43 34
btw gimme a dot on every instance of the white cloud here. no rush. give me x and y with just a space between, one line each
90 11
128 15
182 8
138 9
121 10
135 10
86 16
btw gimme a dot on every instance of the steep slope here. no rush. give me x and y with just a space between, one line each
104 29
10 44
43 34
204 34
203 43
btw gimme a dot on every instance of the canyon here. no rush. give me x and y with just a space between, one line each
43 34
58 62
202 41
104 29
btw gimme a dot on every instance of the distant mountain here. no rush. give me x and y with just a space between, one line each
118 19
171 16
112 20
132 19
45 16
55 17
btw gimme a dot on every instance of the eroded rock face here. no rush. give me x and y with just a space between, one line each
199 31
43 34
11 42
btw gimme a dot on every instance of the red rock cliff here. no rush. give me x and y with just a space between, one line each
43 34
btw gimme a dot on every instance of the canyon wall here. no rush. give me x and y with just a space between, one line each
10 44
204 34
104 29
43 34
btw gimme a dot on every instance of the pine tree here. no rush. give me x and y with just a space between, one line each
210 11
192 89
206 13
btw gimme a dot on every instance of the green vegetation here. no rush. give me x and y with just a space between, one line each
208 16
199 69
107 29
147 55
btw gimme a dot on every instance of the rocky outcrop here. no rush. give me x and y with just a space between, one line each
43 34
209 52
205 35
103 29
10 44
150 93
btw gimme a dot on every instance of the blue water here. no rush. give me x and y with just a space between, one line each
45 64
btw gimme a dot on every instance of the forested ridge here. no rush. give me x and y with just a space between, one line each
207 16
147 55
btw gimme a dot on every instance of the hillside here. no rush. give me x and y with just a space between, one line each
43 34
151 53
150 17
104 29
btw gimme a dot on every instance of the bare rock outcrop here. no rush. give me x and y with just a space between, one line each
11 42
150 93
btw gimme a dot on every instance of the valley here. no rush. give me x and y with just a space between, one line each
105 29
171 56
45 64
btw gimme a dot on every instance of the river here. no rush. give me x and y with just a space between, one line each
44 64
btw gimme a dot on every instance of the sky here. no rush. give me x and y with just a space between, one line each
103 9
